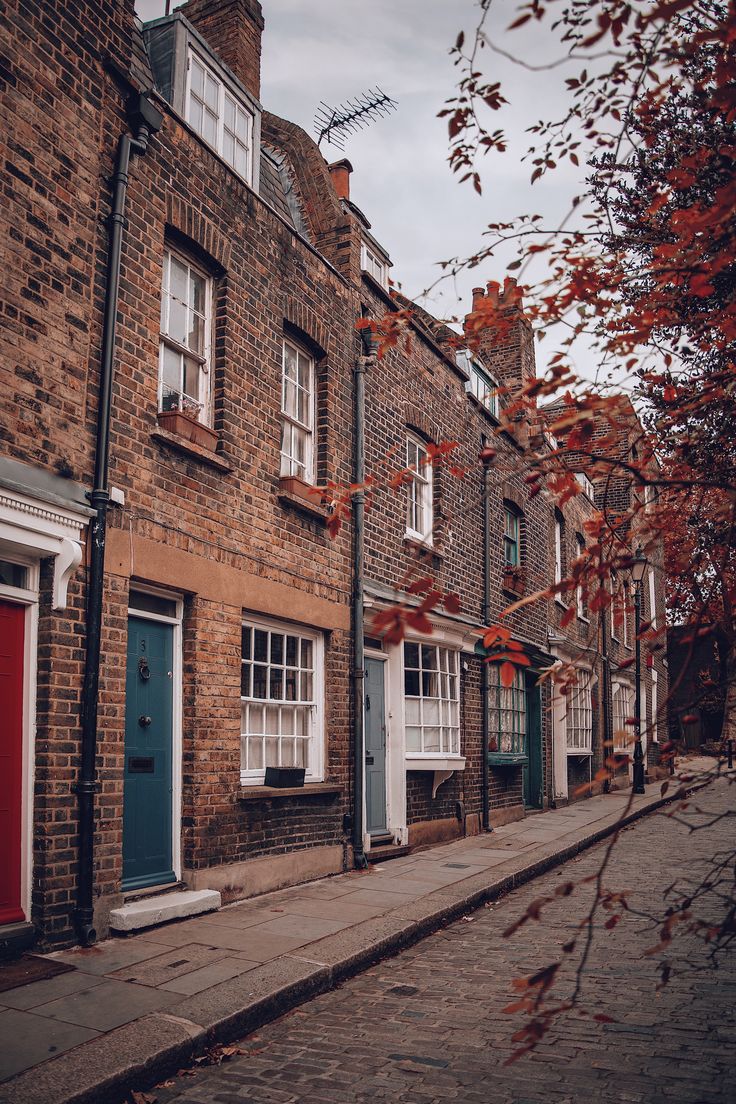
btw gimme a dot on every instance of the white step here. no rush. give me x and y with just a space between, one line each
169 906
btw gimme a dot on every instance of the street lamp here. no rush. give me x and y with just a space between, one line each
638 568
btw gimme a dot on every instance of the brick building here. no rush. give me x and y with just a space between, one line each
180 369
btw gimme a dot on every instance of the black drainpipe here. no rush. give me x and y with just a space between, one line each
361 363
145 120
484 672
606 697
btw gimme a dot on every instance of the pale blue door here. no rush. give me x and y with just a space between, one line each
375 748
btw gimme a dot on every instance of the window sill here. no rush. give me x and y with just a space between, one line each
298 495
435 762
559 602
423 548
271 793
191 449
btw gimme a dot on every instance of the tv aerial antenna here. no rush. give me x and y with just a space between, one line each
335 124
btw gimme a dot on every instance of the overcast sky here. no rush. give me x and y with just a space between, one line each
331 50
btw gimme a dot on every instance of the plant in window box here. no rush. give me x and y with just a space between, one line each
513 579
180 415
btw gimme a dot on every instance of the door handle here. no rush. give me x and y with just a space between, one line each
144 721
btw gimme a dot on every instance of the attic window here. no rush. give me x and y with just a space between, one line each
219 117
374 264
480 385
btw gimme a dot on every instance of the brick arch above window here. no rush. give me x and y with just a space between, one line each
514 497
417 420
202 236
306 327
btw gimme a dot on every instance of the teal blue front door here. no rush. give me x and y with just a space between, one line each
148 780
375 748
532 780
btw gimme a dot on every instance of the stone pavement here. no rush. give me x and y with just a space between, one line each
428 1026
134 1009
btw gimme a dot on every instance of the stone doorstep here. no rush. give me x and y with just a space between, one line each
138 915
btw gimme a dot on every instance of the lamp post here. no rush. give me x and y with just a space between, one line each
638 567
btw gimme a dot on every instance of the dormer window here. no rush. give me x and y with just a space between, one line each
480 385
374 264
219 116
585 485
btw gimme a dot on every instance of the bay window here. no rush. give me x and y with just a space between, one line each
623 734
281 692
579 720
431 700
507 713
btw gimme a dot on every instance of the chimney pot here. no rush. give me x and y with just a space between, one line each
493 289
340 172
478 295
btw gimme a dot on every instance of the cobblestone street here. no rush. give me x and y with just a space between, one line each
427 1025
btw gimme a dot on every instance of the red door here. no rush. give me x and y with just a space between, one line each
12 620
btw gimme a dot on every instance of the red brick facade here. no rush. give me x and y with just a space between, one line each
208 525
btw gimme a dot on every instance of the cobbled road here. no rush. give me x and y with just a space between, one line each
427 1026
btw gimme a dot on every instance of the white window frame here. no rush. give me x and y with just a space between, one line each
585 485
579 599
445 703
511 538
291 425
225 92
199 406
654 728
373 263
314 709
622 701
559 538
482 387
420 490
579 715
652 597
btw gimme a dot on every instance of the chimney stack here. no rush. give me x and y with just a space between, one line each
233 28
340 172
502 333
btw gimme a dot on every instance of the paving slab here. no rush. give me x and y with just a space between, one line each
165 967
26 1040
41 992
109 956
197 981
109 1004
308 928
338 908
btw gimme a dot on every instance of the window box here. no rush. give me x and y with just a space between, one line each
513 580
293 485
506 759
183 425
281 777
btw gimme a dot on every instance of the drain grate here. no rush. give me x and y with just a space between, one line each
458 866
403 990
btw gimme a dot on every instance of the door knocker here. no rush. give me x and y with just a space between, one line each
143 669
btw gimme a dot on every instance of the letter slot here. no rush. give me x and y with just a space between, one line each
140 764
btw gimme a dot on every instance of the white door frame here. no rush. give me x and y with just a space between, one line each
374 653
176 714
26 597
